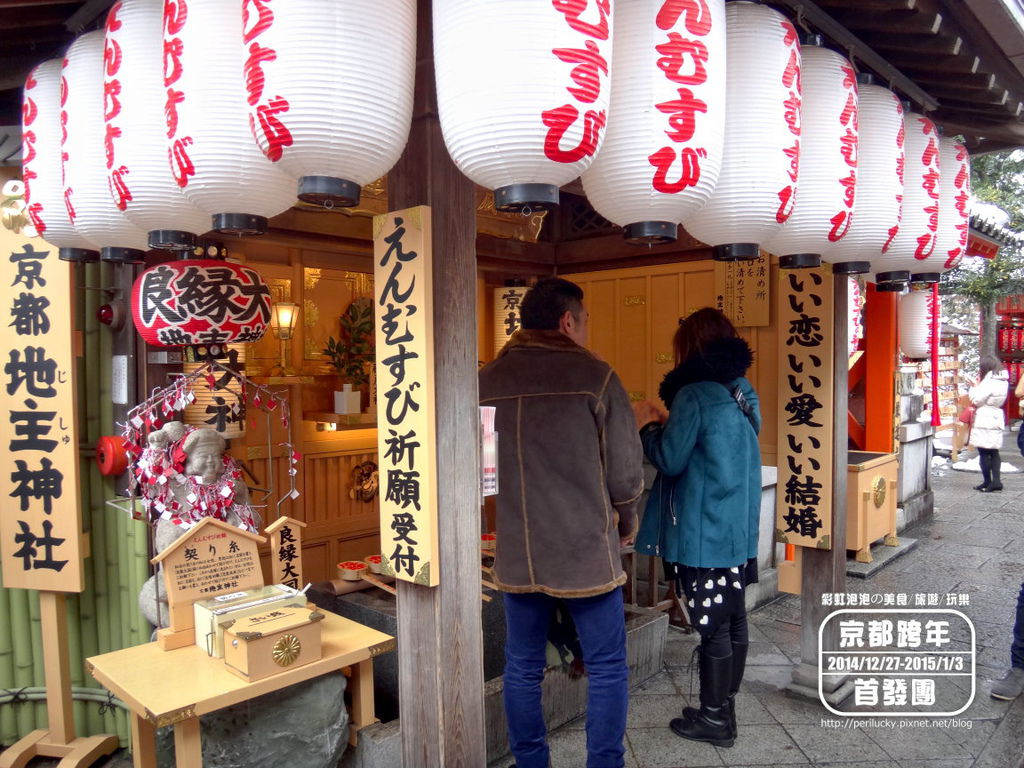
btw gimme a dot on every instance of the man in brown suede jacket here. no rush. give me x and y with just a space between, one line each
570 462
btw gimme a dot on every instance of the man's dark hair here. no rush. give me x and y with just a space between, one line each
545 303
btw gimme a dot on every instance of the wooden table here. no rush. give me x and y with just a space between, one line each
176 687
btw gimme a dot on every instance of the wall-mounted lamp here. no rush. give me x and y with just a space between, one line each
282 322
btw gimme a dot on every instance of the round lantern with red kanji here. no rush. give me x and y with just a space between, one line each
880 165
916 240
663 146
329 88
828 162
213 156
41 164
200 302
539 125
915 323
954 203
757 184
86 193
136 156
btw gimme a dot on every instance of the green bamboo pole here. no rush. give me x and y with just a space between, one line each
8 726
38 667
22 635
138 565
88 432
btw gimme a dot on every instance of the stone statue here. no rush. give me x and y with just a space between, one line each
209 484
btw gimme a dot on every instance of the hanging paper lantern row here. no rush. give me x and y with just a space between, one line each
662 150
86 194
136 161
879 189
329 88
828 161
915 324
954 201
543 126
41 164
508 300
200 302
213 156
915 240
756 186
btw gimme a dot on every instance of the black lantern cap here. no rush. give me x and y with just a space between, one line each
926 277
82 255
240 224
516 198
171 240
890 287
800 261
328 191
651 232
897 276
736 252
865 78
851 267
123 255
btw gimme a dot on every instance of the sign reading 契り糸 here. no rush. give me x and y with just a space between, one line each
804 502
403 308
41 520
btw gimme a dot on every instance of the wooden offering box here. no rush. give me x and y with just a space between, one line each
264 644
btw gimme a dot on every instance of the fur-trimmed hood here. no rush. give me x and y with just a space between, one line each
723 361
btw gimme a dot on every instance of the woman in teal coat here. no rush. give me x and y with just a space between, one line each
703 511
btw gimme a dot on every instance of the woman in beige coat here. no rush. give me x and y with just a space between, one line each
987 397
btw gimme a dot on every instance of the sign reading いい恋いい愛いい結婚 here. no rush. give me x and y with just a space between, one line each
41 523
804 501
404 311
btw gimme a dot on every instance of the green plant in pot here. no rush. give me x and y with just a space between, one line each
350 353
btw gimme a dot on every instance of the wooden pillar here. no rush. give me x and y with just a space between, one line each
824 570
440 647
880 374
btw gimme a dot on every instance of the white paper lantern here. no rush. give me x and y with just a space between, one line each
86 194
41 164
507 320
855 319
954 204
915 241
757 184
541 123
915 324
663 145
135 151
213 155
329 89
880 164
828 162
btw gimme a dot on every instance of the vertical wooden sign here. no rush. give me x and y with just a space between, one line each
804 501
743 291
403 306
41 521
286 551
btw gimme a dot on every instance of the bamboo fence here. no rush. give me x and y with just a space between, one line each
105 617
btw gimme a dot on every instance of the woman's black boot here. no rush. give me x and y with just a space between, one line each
739 663
711 722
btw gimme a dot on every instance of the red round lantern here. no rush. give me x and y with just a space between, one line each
200 302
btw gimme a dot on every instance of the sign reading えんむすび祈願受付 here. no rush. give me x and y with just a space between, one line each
403 304
41 521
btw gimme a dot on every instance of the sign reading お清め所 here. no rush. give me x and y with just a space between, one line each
41 520
403 306
804 501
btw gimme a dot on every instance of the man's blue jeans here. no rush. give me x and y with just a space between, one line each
600 623
1017 648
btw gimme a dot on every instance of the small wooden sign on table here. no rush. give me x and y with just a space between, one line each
286 551
213 558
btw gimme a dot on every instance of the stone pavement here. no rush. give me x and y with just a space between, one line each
973 545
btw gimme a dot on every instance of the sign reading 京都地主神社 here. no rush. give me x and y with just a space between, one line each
41 521
804 499
403 305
